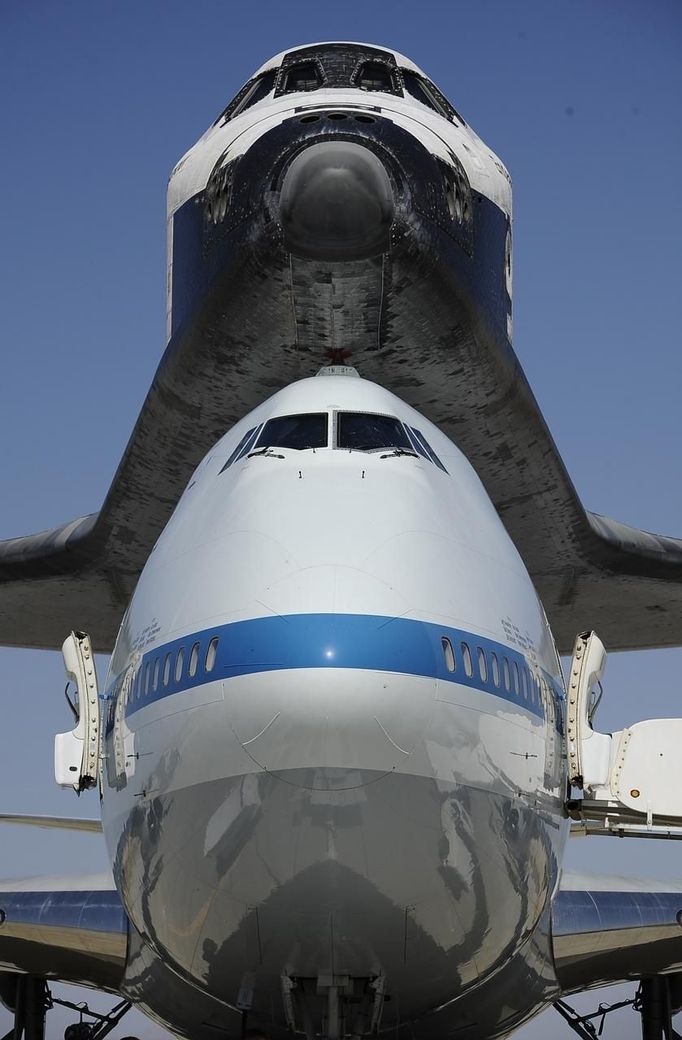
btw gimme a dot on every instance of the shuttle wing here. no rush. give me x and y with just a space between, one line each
80 576
612 929
590 572
71 929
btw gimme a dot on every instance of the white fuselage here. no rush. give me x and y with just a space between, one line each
334 737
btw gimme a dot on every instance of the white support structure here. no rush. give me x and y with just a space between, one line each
76 753
631 779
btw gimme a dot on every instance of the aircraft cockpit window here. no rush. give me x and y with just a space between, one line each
244 445
421 445
304 76
375 75
361 431
416 89
427 94
259 89
307 430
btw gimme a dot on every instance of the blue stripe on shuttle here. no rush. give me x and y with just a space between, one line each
363 641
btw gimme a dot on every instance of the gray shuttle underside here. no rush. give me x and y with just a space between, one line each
590 572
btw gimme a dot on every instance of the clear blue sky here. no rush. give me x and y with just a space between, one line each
582 102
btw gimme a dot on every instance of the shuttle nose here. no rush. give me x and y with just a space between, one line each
336 203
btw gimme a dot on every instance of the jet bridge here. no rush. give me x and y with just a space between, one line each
631 780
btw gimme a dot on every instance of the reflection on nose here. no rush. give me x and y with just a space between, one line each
336 203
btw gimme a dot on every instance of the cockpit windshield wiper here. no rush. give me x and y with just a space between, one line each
265 452
399 451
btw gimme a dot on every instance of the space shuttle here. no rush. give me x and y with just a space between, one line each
337 757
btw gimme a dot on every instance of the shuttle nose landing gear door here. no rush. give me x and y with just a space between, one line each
76 753
632 779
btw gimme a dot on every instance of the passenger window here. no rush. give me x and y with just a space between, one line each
147 668
449 654
496 668
179 663
193 660
157 666
424 448
166 670
524 682
515 673
507 677
482 664
361 431
374 75
305 76
308 430
243 446
466 657
211 654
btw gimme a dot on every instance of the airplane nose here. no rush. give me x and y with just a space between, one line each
336 203
326 728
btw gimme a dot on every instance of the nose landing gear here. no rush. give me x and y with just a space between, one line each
29 998
657 1000
333 1006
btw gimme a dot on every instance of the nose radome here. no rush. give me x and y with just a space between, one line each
336 203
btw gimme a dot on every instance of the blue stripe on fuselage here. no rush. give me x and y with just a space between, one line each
362 641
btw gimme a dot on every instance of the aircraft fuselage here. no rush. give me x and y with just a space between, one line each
334 740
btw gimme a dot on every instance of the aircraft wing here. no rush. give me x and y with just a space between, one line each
611 929
60 823
71 929
590 572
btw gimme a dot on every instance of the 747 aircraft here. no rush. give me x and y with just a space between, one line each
337 758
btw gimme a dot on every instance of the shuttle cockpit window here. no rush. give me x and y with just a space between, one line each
427 94
363 431
251 93
304 76
259 89
417 89
375 75
308 430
